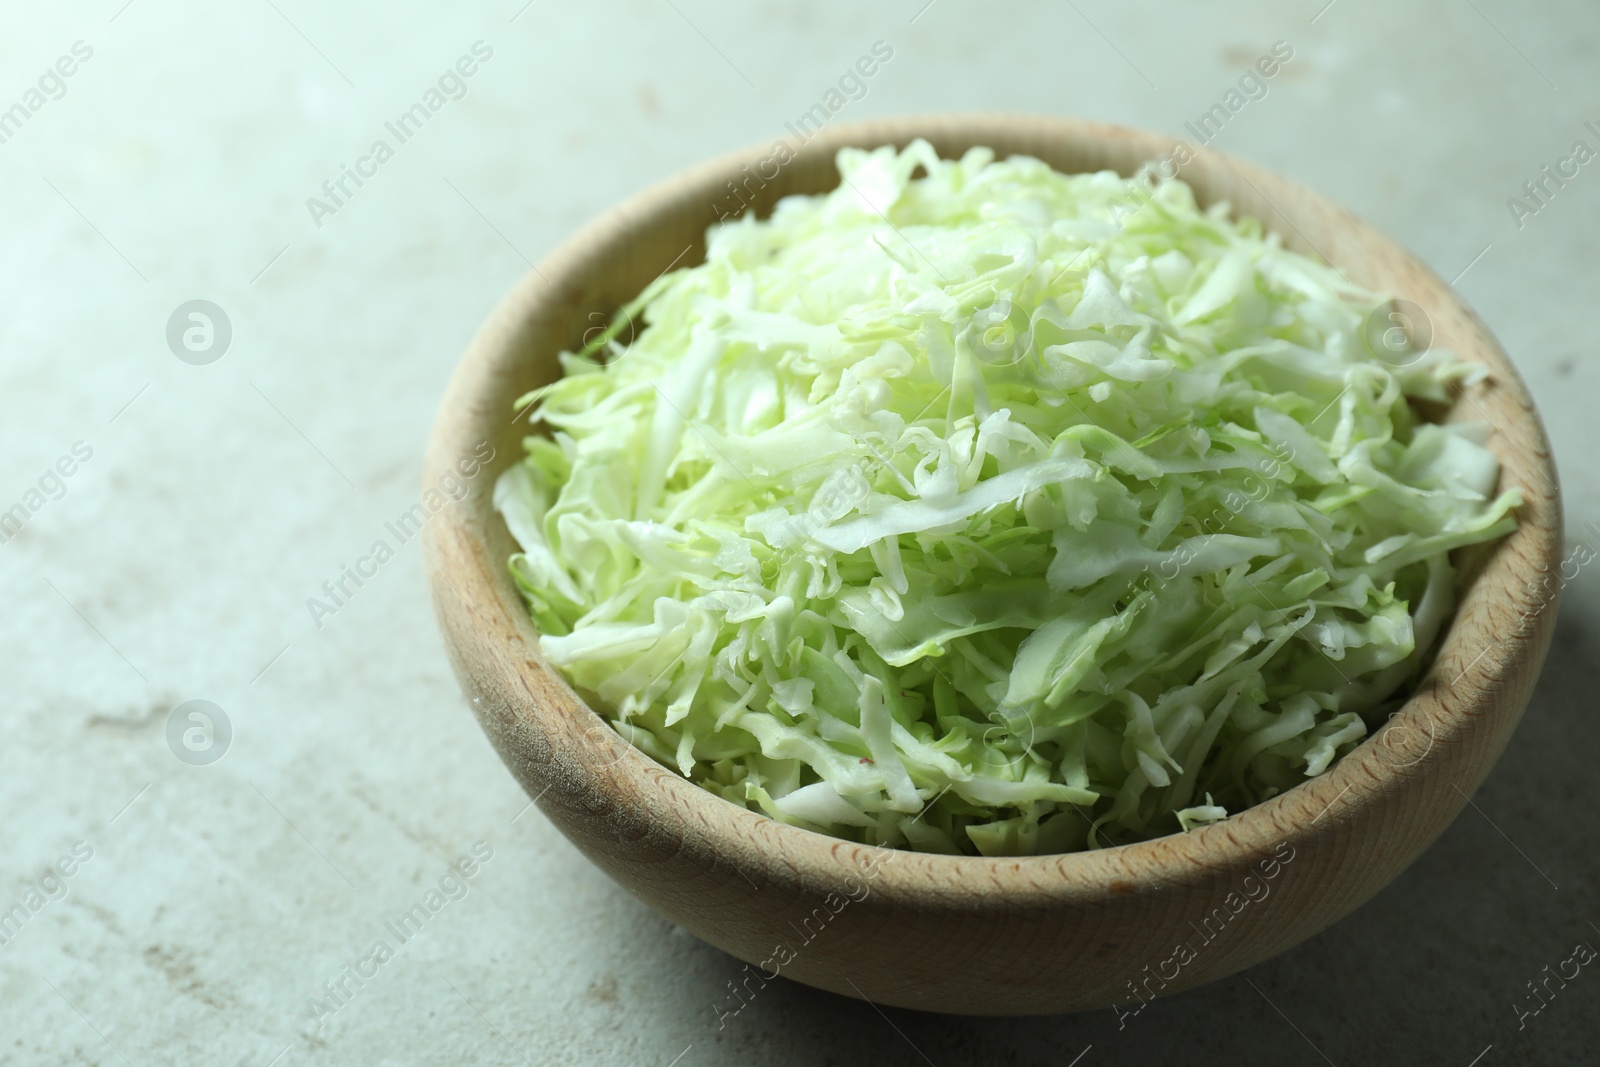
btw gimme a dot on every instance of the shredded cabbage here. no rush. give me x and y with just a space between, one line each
996 510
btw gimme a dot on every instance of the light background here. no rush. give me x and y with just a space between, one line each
219 898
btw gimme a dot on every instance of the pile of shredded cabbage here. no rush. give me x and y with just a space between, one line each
996 510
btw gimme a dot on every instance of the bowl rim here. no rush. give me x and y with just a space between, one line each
578 756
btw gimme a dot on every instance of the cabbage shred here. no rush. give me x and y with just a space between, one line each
996 510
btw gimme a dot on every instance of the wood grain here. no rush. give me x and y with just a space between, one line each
962 934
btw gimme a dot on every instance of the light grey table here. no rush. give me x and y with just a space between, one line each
211 908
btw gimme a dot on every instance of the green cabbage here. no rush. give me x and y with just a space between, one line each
996 510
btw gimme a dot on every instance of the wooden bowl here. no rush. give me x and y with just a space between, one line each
961 934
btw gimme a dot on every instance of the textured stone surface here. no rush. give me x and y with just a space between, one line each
219 898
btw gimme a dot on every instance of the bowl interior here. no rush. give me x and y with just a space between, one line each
1484 665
